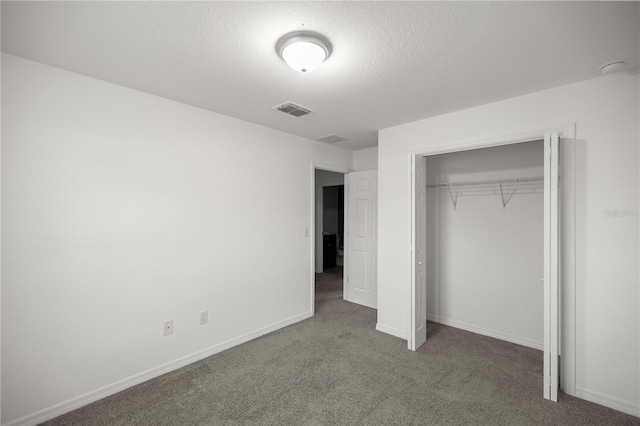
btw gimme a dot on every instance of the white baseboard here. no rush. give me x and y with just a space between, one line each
486 332
391 330
608 401
103 392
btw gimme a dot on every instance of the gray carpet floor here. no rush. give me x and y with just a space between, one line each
335 369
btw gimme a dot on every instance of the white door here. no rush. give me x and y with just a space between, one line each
362 240
551 265
418 318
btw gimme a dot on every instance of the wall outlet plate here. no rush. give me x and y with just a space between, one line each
204 317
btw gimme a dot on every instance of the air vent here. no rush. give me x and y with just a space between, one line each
331 139
293 109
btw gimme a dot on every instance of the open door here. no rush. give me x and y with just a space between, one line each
418 317
551 264
362 212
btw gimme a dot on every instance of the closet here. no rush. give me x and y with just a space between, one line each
484 241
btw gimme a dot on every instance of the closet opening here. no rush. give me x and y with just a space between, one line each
484 241
485 244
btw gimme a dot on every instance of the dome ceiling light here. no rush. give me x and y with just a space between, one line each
303 51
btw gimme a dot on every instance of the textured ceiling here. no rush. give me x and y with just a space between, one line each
392 62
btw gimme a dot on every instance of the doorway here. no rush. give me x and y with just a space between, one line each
356 238
417 318
329 234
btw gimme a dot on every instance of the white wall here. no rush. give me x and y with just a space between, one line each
606 112
121 210
484 262
365 159
327 178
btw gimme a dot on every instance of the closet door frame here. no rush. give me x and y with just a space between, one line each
561 320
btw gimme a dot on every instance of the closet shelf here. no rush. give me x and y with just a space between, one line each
506 188
491 182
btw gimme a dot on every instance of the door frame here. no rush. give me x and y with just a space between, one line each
564 320
312 234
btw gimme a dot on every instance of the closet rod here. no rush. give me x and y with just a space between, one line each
527 180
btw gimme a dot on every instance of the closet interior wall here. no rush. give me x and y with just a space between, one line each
485 243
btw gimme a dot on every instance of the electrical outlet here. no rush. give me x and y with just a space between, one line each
168 327
204 317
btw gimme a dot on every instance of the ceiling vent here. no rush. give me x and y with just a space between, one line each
331 139
293 109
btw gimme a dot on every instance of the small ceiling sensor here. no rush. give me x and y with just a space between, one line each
303 51
613 66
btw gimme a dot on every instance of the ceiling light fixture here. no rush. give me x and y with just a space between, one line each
303 51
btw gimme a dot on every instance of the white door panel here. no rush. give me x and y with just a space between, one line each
362 239
418 326
551 265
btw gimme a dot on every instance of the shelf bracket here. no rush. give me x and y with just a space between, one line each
505 201
454 199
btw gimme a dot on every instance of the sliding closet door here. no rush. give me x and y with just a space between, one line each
551 265
418 326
